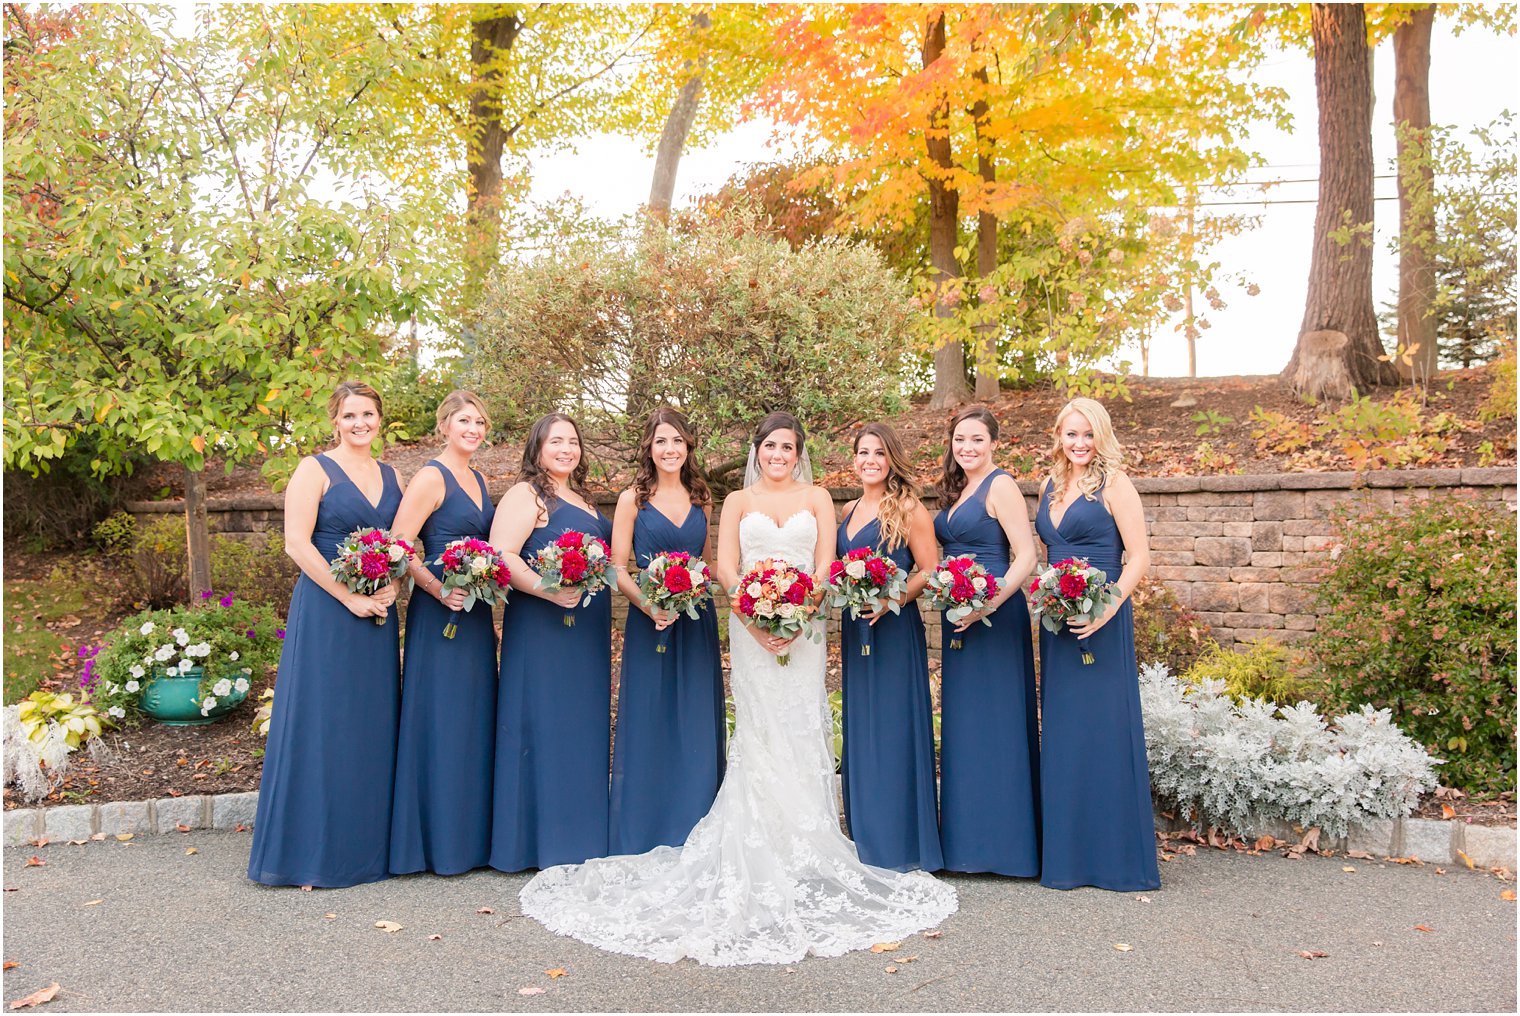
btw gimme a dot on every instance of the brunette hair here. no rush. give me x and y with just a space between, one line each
901 495
1108 456
346 389
691 474
780 421
953 477
535 475
456 400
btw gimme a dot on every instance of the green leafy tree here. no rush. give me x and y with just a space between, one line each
173 283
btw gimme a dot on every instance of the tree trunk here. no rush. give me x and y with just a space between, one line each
986 248
944 214
197 533
1189 320
677 126
489 38
1340 273
1411 116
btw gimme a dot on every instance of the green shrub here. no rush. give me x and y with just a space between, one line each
1261 669
116 534
252 570
412 395
1166 631
1418 616
1499 404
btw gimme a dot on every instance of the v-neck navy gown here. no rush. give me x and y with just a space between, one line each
989 741
324 815
888 767
441 818
553 719
1098 827
667 759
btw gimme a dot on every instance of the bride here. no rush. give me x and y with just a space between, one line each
766 876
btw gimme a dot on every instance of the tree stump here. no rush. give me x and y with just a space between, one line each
1320 370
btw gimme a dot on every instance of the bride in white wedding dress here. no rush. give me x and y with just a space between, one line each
766 876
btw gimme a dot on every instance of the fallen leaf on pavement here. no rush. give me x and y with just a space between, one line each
37 997
240 828
329 917
1312 954
1440 871
35 862
530 990
182 827
933 934
1467 861
881 947
1447 811
191 850
1264 843
556 973
485 910
1360 855
77 843
92 903
40 841
97 836
1508 894
11 964
1423 927
891 970
1378 944
306 888
1123 946
1143 899
1347 867
435 938
124 837
388 926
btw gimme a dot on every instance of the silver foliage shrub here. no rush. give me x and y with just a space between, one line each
37 768
1247 767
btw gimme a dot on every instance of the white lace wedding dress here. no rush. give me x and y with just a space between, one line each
766 876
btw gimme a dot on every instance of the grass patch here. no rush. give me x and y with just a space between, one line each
44 619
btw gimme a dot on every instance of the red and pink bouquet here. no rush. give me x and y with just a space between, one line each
676 582
574 561
776 598
960 587
1070 590
475 566
369 560
865 580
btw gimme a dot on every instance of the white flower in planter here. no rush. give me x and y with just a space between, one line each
222 688
147 628
240 685
138 672
132 687
117 711
207 704
233 656
181 636
164 653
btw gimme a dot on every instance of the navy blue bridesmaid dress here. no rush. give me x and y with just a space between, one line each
888 765
667 758
324 816
1099 829
989 739
441 817
553 719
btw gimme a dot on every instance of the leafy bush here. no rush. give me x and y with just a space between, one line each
256 571
116 534
40 733
1166 631
1418 617
1263 669
1245 766
714 316
412 395
1499 404
58 505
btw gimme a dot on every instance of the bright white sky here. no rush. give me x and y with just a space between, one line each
1473 79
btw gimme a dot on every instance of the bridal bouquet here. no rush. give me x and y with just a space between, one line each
473 565
862 580
574 561
1070 590
960 587
774 597
370 559
676 582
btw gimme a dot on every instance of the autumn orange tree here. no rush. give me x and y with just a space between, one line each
1058 127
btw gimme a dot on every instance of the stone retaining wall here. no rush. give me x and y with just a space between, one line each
1243 552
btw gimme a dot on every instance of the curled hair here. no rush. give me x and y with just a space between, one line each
953 477
780 421
1108 456
532 473
901 496
456 400
691 474
346 389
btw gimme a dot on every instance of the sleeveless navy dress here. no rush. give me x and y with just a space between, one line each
324 815
667 759
553 719
989 740
888 767
1099 829
441 817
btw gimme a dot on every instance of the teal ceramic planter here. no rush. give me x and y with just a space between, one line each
172 700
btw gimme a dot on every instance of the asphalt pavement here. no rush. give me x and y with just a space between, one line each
171 923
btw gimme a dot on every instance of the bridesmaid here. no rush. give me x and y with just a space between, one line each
888 766
441 816
1098 827
554 700
667 759
989 742
324 814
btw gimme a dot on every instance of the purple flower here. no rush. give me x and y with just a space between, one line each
226 601
207 594
252 634
279 633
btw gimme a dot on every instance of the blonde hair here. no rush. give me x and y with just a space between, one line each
456 400
1108 456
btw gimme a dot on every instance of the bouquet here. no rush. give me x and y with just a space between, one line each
862 580
474 566
369 560
1070 590
773 596
676 582
574 561
960 587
